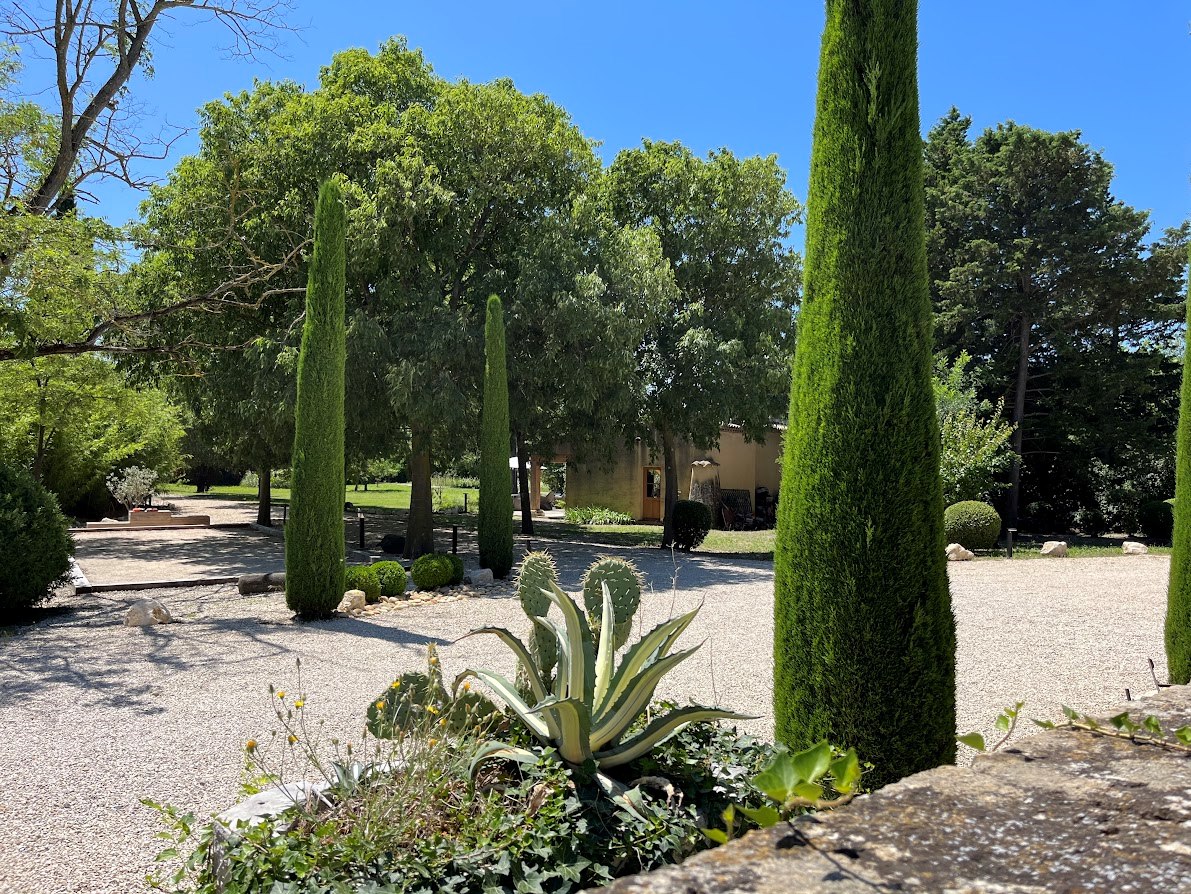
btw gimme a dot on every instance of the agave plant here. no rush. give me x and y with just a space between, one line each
591 704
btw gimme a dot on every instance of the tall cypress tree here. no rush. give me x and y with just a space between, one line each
1178 597
314 538
496 498
864 650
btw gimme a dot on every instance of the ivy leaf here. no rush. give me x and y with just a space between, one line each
1123 721
812 763
719 836
764 816
1045 724
778 778
1070 713
973 740
1183 734
845 771
809 791
1151 723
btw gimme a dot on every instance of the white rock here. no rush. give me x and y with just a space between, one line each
145 612
1056 549
1133 548
481 577
957 553
353 601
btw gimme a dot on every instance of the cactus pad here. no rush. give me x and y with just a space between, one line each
624 584
538 573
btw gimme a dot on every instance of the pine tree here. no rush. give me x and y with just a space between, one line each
496 500
1178 597
314 538
864 649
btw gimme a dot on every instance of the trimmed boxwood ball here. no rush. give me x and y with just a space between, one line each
37 547
434 570
973 524
456 568
692 521
363 577
1156 520
392 578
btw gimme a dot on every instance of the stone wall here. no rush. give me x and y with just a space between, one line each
1066 810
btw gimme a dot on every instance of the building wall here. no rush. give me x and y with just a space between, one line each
620 485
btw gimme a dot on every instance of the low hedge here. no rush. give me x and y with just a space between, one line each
392 578
362 577
972 524
692 521
1156 520
36 544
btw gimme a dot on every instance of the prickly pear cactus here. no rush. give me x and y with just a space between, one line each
538 572
624 584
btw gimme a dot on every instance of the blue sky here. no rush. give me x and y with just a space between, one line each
742 74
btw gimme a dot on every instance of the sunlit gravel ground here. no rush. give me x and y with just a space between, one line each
94 716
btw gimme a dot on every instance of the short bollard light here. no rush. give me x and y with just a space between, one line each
1009 542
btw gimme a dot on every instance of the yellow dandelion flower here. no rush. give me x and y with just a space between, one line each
432 742
396 684
443 722
380 706
281 693
299 703
467 687
293 740
431 709
250 745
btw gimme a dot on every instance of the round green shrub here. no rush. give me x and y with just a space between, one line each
363 577
972 524
433 570
692 521
456 568
1156 519
392 578
37 546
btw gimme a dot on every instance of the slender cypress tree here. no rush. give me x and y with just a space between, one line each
496 498
864 638
1178 597
314 538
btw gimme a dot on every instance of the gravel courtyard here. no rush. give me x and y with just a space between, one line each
96 716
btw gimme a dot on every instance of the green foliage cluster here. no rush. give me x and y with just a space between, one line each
314 539
864 638
495 533
544 826
974 441
363 577
75 420
37 547
972 524
434 570
1156 520
595 515
392 578
692 521
1071 310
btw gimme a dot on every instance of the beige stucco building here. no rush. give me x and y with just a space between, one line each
633 482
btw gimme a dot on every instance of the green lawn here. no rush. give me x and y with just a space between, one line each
378 496
1074 551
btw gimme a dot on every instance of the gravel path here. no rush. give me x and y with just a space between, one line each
97 716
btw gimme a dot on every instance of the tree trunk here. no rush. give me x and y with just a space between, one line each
523 486
419 530
264 496
670 488
535 484
1019 415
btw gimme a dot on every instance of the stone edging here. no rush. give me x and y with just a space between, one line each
1064 810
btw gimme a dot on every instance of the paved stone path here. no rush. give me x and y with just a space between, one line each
96 716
